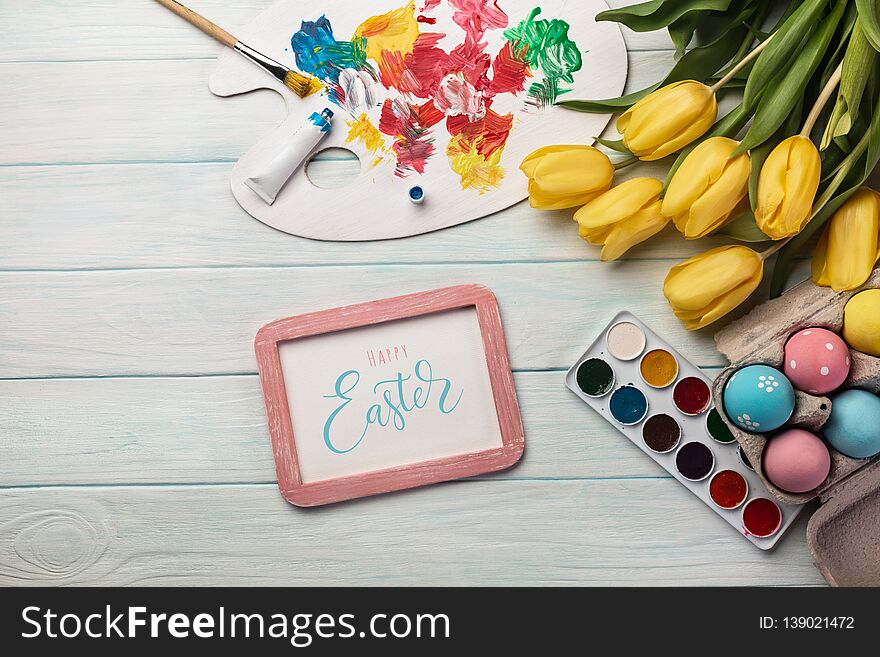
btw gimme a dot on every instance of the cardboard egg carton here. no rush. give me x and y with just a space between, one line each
760 337
848 523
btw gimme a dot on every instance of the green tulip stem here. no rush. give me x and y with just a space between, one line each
743 63
827 92
625 162
773 249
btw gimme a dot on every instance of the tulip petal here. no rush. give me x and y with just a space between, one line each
596 236
700 169
668 119
819 268
619 203
527 166
635 230
706 287
571 172
693 131
539 199
649 103
713 209
787 186
725 304
852 241
661 115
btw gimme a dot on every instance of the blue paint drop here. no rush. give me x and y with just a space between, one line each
628 405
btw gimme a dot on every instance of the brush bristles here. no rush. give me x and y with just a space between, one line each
301 85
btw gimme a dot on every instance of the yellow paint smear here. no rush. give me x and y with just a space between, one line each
315 85
476 172
393 31
363 131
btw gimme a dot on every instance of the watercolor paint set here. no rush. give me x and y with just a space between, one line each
663 404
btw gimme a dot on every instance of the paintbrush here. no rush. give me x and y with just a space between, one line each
298 83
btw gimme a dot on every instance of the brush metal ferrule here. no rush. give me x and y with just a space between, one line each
278 70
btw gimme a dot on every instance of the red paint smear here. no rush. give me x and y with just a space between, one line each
389 122
477 16
412 156
335 92
426 65
419 73
428 114
728 489
761 517
412 144
691 396
494 129
391 68
469 59
509 73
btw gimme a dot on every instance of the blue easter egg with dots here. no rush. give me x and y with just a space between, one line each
758 398
854 426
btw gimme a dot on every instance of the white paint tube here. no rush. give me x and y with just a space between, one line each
272 177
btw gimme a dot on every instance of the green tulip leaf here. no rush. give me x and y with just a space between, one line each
858 62
657 14
682 31
708 25
784 45
869 16
789 85
743 228
609 105
697 64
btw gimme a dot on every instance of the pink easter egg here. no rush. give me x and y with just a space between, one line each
816 361
796 461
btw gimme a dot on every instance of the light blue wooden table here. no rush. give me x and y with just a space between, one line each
133 441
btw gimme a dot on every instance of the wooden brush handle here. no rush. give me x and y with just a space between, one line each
200 22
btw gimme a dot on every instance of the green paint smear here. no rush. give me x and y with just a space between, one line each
544 45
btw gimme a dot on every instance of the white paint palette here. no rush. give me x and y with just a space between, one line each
455 117
663 404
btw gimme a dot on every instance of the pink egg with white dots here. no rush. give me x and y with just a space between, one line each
816 361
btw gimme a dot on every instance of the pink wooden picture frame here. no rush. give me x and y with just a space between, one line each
410 475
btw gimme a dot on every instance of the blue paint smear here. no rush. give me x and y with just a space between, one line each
628 405
317 51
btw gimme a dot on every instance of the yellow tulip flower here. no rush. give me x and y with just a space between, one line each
706 287
566 176
707 187
668 119
622 217
850 246
787 186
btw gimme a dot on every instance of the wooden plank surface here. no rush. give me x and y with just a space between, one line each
132 430
73 30
213 430
473 532
202 321
177 215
